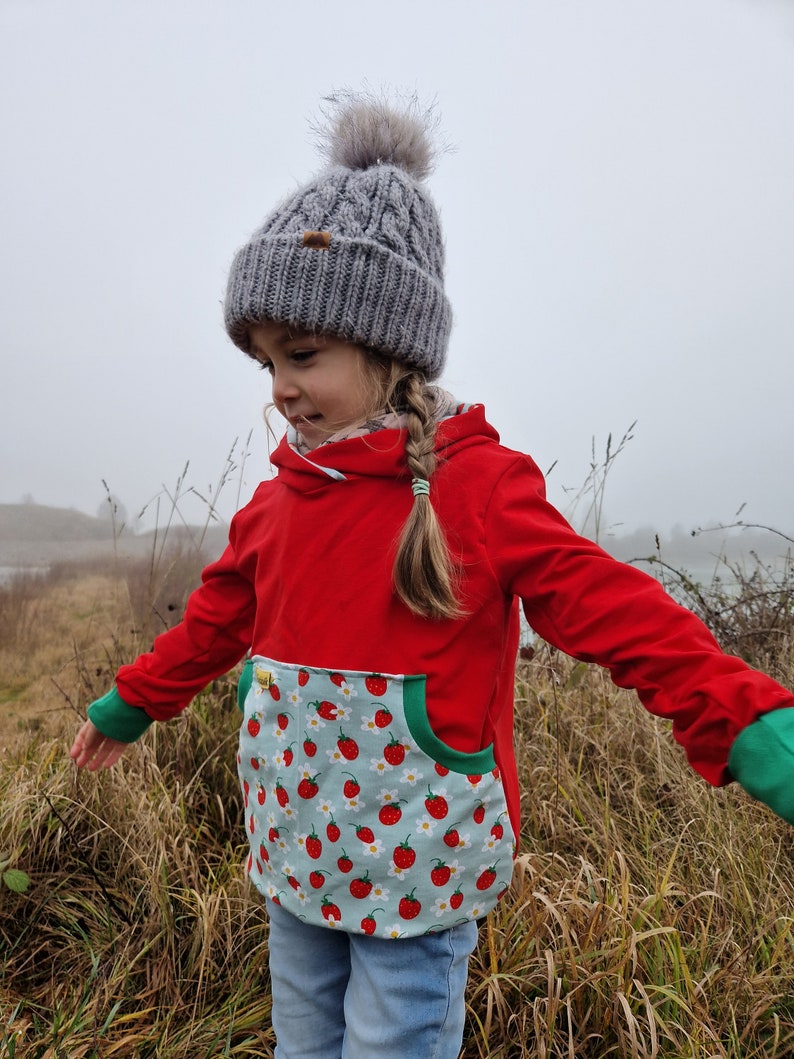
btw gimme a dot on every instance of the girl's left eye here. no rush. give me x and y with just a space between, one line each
300 356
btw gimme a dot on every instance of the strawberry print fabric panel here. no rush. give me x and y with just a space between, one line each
357 816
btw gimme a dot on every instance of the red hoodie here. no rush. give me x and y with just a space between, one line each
307 578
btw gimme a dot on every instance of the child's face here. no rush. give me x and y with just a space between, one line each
319 382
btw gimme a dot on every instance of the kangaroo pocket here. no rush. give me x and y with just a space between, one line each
357 815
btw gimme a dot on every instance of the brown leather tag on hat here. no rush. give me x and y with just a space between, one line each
317 240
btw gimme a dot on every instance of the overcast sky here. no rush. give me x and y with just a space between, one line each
618 213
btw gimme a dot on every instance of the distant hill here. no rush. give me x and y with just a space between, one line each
37 535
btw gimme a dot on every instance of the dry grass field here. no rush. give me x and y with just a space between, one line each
649 914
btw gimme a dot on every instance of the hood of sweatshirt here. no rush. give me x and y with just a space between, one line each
377 455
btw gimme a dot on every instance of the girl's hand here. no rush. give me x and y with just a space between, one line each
92 750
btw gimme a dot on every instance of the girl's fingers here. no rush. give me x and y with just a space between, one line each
93 750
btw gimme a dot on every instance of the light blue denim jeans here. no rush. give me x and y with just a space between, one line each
350 996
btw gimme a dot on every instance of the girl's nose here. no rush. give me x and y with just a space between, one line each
284 388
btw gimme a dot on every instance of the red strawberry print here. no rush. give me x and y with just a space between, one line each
391 813
376 684
309 747
409 907
361 887
307 788
383 718
303 678
289 755
456 899
404 856
344 863
314 846
440 875
479 813
282 719
330 910
474 779
293 882
487 878
332 830
364 833
255 763
442 770
436 805
263 853
368 923
275 694
252 824
394 752
246 788
348 747
254 726
351 787
274 833
337 678
498 830
317 878
249 863
326 710
261 794
452 838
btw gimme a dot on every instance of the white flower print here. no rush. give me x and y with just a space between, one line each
380 765
374 848
315 722
441 906
393 932
368 724
295 698
397 873
426 825
343 713
490 844
456 869
411 776
288 812
335 754
385 796
354 804
271 820
464 842
282 844
347 691
326 808
380 893
303 897
476 911
288 870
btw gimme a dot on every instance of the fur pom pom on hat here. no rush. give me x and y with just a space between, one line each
357 252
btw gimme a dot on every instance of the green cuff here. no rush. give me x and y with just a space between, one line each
117 720
762 760
244 683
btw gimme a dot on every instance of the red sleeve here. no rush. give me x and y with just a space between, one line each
581 600
212 637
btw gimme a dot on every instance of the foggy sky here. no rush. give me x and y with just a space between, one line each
617 210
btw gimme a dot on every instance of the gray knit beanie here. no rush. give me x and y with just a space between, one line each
356 253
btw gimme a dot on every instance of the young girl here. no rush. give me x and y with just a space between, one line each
376 582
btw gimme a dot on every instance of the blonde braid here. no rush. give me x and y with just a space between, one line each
424 575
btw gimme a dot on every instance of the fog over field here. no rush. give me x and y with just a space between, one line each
617 209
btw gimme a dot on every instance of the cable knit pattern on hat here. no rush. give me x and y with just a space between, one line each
378 280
